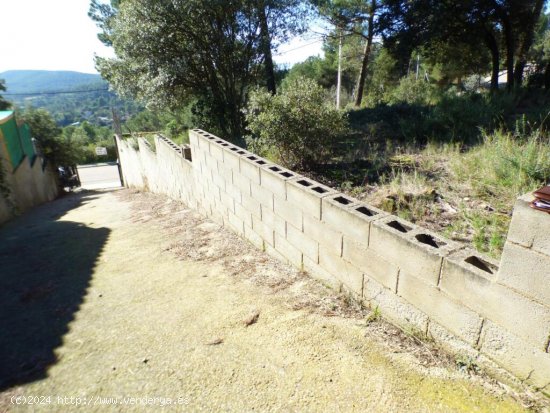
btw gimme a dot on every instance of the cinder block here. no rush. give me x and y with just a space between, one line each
194 137
288 212
218 180
465 277
370 263
323 234
306 194
264 196
227 201
250 168
298 239
204 144
251 205
275 254
449 341
436 304
235 223
529 227
392 307
263 230
287 250
315 271
253 237
350 276
241 182
216 152
231 158
243 214
273 221
514 354
352 219
211 164
415 251
274 177
527 271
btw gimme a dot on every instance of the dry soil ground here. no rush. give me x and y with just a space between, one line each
109 296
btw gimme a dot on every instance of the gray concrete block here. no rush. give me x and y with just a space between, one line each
516 355
261 194
352 219
194 137
450 342
235 223
464 280
370 263
287 250
527 271
243 214
216 152
211 164
250 167
460 320
273 178
392 307
348 274
529 227
288 212
298 239
227 201
241 182
414 250
219 180
253 237
321 275
306 194
204 144
263 230
231 157
273 221
323 234
251 205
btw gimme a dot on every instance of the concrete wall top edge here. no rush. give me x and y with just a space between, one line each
473 262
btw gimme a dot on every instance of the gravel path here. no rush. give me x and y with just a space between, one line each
125 302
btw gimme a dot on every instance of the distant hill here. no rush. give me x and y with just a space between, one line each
34 81
92 101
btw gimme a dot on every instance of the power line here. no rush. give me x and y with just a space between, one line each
54 93
299 47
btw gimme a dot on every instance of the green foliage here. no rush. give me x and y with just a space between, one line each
4 104
294 126
413 91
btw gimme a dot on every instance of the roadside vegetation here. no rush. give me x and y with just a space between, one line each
436 111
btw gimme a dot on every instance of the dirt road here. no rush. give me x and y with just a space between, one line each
109 296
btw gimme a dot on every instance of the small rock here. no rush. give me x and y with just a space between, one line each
251 319
215 342
114 368
100 295
145 360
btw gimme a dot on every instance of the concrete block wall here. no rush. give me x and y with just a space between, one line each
417 279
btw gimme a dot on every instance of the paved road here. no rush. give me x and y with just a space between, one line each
99 176
109 296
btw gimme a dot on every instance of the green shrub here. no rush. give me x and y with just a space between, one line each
296 127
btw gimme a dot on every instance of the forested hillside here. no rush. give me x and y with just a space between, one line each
70 97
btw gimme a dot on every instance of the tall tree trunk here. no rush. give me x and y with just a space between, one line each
547 77
366 56
492 44
510 50
527 42
266 49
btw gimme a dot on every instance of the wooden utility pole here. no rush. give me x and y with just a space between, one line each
339 80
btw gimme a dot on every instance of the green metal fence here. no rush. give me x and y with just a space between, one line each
17 139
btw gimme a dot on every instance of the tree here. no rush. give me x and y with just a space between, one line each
4 104
295 125
59 151
103 15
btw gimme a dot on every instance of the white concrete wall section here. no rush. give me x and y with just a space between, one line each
417 279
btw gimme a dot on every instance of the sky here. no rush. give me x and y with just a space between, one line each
59 35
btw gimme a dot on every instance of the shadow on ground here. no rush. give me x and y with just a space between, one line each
45 269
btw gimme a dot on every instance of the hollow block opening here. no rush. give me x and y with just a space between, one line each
366 211
398 226
305 183
252 158
275 169
319 190
260 162
287 174
430 240
342 200
481 264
